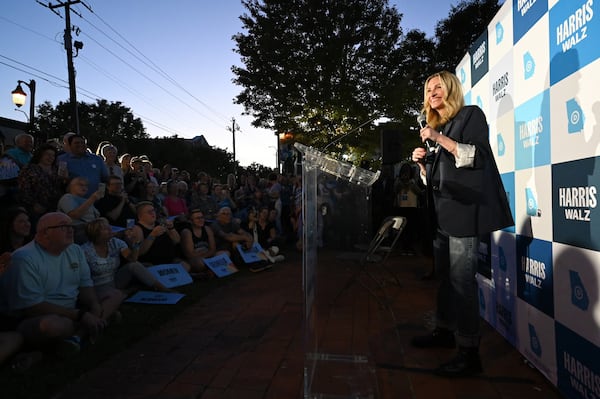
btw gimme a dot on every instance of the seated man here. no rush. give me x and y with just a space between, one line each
201 199
81 163
159 241
116 205
229 233
48 288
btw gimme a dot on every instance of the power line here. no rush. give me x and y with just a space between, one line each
61 83
148 78
34 69
150 64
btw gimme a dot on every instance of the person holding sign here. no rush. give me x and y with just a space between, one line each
159 242
467 200
104 252
229 233
198 242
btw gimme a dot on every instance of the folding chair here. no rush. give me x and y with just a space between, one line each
377 254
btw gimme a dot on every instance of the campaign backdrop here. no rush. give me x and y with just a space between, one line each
534 73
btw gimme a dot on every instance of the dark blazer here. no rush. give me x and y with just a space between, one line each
467 201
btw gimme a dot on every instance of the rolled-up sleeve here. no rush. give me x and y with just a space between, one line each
465 155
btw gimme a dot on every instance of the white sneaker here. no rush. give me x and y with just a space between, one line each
278 258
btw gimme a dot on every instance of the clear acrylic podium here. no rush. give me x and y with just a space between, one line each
331 371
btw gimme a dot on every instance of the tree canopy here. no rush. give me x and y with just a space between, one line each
100 121
455 34
320 69
317 69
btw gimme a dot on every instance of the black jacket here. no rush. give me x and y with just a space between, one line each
467 201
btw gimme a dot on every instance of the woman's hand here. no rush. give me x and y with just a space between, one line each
419 154
92 323
428 133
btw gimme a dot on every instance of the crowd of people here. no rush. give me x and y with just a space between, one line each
79 228
64 273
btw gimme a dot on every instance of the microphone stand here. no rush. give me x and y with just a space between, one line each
349 133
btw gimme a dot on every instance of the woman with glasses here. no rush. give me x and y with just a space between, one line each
104 252
80 209
40 184
198 242
159 239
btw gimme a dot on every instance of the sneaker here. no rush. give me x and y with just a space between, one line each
259 267
438 338
24 361
278 258
68 347
465 364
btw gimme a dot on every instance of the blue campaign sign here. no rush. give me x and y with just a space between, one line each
535 273
155 298
532 132
525 14
574 203
220 265
117 229
171 275
578 369
574 31
479 58
253 254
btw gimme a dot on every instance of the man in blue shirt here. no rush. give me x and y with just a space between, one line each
80 162
48 287
22 152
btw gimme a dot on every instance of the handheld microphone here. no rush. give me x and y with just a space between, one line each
422 121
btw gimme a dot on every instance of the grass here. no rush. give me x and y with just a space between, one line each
51 375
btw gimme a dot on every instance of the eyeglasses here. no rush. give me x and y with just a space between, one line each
63 227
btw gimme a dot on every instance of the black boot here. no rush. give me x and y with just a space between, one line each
466 363
439 338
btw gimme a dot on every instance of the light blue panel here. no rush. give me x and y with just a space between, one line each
532 132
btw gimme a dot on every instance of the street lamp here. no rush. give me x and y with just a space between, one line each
19 97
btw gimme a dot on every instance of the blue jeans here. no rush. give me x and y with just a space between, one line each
457 298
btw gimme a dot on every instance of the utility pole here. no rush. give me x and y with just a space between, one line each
233 129
69 47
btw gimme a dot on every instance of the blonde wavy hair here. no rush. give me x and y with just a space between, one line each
93 228
453 99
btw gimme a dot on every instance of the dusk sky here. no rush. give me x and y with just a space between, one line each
168 61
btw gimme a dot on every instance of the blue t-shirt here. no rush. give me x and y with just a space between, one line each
21 156
90 166
35 276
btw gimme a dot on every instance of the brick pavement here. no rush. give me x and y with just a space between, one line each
245 340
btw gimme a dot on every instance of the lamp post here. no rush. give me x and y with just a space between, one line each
19 97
